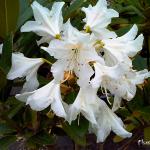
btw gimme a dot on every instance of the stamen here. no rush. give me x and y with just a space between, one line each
58 36
102 90
46 61
107 96
68 75
98 45
88 29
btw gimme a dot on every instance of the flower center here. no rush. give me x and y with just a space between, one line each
58 36
99 45
88 29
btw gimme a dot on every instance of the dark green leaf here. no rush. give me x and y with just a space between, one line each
77 130
3 80
5 62
15 106
74 7
42 138
26 13
5 142
6 129
147 134
9 11
139 63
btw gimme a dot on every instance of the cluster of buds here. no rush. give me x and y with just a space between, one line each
98 58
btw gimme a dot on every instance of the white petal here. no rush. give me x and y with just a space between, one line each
32 26
58 49
137 45
116 103
104 33
23 97
73 35
103 73
57 104
84 75
127 44
85 104
131 34
23 66
98 16
45 39
43 97
31 81
140 76
47 23
113 56
1 47
108 121
58 69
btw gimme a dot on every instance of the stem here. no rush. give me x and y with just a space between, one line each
46 61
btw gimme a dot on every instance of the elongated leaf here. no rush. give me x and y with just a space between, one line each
6 129
139 63
5 62
15 106
147 134
3 80
6 141
74 7
42 138
9 11
26 12
77 130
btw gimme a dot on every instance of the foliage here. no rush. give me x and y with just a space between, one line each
18 122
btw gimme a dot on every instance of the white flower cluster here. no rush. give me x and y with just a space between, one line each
97 57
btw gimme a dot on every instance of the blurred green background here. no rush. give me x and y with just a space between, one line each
20 126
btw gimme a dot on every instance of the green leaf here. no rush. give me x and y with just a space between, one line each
5 142
26 11
117 139
145 113
6 129
9 11
70 97
74 7
139 63
129 127
3 80
147 134
77 130
14 110
5 62
135 3
41 138
15 105
35 121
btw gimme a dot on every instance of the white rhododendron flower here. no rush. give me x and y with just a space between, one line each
125 87
1 48
84 104
43 97
104 73
47 23
25 67
73 54
98 59
98 17
120 48
107 121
